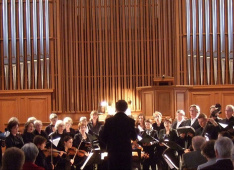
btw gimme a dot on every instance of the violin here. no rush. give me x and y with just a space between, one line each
75 151
55 153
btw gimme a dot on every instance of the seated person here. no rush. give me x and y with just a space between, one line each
30 152
208 152
192 159
13 158
222 147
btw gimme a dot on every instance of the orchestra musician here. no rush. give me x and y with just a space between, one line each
14 139
65 161
41 161
82 141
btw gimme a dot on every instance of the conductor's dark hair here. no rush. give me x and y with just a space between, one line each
121 106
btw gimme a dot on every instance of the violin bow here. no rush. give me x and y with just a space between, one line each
77 149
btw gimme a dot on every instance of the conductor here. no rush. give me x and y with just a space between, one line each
117 134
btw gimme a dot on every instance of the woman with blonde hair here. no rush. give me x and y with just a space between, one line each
140 124
68 127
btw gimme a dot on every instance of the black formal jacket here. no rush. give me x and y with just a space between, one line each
229 122
118 132
225 164
174 124
195 125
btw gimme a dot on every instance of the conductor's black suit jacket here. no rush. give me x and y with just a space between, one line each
117 134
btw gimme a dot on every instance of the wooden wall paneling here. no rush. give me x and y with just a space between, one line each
203 100
164 101
149 103
8 108
181 100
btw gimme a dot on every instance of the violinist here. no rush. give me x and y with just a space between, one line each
65 162
40 143
68 130
14 139
28 134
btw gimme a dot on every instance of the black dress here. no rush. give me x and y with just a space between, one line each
71 133
28 137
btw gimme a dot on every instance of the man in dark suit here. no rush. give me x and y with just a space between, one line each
229 117
180 120
117 134
194 111
192 159
223 147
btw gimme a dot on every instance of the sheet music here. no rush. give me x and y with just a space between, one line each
55 141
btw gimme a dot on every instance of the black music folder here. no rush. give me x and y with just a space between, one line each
185 129
145 139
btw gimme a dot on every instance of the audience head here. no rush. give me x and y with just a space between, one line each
28 127
13 158
38 125
202 120
30 152
40 141
67 122
229 111
197 142
53 118
194 110
13 125
207 149
223 147
180 115
121 106
157 117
